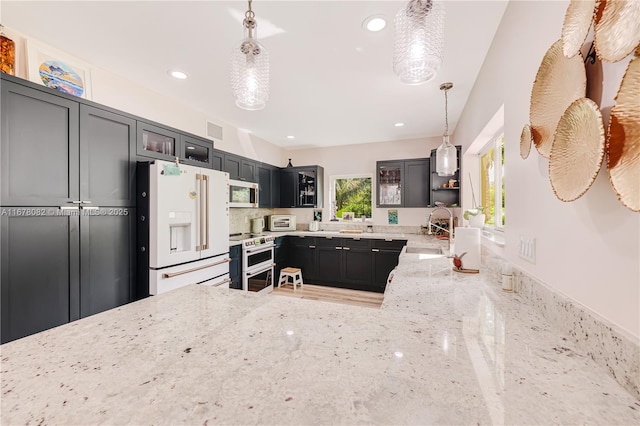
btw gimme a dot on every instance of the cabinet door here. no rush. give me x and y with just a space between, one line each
196 151
390 183
107 260
235 267
288 188
357 267
264 185
303 255
383 263
416 188
157 142
40 142
107 158
275 187
306 196
40 280
330 260
233 166
248 170
217 160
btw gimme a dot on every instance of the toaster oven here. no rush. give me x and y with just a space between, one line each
282 222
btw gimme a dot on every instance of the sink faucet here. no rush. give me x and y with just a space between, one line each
449 231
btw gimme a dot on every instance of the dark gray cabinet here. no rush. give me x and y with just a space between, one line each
303 255
354 263
107 158
442 193
217 160
301 187
40 264
280 253
416 190
40 146
235 267
268 178
68 228
154 141
196 151
240 168
403 183
384 259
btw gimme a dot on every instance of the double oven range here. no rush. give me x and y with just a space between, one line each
258 261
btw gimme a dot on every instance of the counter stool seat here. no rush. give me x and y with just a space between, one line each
294 273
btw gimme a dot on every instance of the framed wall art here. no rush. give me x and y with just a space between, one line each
55 69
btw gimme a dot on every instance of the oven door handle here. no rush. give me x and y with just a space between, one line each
259 271
186 271
261 249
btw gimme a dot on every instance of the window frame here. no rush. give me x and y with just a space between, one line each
496 143
332 195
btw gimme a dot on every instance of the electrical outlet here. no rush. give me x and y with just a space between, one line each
527 248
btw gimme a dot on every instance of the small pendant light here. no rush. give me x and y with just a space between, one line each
446 154
250 68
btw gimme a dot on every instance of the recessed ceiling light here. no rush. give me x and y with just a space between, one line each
178 74
399 124
291 137
374 23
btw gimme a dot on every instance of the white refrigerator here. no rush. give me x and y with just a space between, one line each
188 227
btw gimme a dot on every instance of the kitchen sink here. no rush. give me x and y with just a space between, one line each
437 251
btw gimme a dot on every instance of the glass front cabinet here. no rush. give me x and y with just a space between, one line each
390 183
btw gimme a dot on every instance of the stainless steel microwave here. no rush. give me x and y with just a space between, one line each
243 194
282 222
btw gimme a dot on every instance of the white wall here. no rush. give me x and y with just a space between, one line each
589 249
361 159
118 92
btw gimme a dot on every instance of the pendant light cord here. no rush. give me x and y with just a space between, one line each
446 113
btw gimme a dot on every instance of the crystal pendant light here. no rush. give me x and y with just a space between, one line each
250 68
446 154
419 41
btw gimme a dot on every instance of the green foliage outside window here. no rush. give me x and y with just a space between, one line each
353 195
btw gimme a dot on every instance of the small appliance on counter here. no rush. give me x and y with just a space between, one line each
314 226
257 226
282 222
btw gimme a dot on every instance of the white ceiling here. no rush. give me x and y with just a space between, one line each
332 83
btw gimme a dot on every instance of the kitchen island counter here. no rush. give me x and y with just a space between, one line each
445 348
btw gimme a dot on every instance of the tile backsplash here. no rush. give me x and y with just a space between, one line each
240 219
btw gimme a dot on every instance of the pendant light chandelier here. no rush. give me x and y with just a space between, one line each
250 68
419 41
446 154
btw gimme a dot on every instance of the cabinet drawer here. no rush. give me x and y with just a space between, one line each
357 243
302 241
389 245
329 242
166 279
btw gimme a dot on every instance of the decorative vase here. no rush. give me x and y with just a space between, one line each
477 221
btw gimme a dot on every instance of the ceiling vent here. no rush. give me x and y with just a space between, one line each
214 131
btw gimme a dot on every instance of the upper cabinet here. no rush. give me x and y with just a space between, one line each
445 190
403 183
268 178
301 187
240 168
166 144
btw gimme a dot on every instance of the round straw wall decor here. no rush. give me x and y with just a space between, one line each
617 32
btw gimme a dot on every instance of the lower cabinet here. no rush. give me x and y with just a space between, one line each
280 254
358 264
57 268
235 267
303 254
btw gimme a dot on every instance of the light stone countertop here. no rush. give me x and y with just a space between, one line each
445 348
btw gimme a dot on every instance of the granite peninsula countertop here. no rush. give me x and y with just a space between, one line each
445 348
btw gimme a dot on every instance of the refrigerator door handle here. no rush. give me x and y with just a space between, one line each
199 246
206 216
186 271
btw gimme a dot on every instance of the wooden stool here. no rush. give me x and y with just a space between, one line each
294 273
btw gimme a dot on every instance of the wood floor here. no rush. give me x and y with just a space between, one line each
332 294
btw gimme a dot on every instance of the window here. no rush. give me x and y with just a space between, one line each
492 182
352 194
